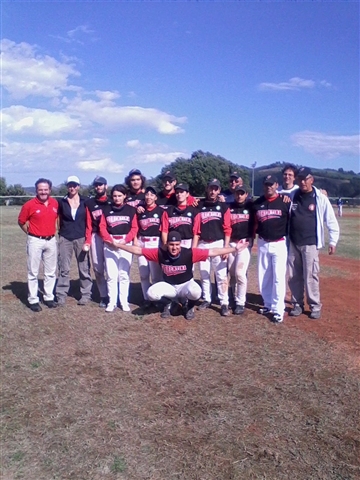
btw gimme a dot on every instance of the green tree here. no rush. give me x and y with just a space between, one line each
200 168
16 189
3 187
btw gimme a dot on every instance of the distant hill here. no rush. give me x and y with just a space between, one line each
335 182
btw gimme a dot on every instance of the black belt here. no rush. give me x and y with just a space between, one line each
49 237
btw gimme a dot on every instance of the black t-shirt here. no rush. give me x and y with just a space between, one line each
271 216
303 219
241 220
149 222
176 270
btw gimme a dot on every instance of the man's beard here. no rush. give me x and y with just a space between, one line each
100 194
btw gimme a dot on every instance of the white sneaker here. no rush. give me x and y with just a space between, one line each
277 318
125 307
110 308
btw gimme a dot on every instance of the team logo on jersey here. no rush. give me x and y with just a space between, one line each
208 216
177 221
246 212
189 214
170 270
218 207
238 218
311 207
148 222
38 211
114 220
96 213
156 215
294 206
268 214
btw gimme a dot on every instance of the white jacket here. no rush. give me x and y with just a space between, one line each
325 216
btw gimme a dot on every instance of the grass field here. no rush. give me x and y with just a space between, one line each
87 395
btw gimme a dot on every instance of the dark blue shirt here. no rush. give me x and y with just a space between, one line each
69 228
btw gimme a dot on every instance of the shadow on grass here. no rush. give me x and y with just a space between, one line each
253 301
19 289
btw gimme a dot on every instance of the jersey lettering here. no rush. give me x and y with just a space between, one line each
114 220
170 270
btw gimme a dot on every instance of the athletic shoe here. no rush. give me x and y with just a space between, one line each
189 310
146 305
110 308
166 311
125 307
50 303
103 302
296 311
35 307
277 318
315 315
264 310
83 301
224 312
239 310
204 305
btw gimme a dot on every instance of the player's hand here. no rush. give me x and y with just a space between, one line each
225 256
285 198
140 209
195 202
221 198
241 245
332 249
86 247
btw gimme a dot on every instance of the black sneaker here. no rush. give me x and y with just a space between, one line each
264 311
166 311
204 305
35 307
146 305
224 312
189 310
50 303
239 310
103 302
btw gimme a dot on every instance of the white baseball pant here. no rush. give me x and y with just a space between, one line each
238 264
118 263
147 268
38 250
98 263
272 260
220 270
189 290
186 242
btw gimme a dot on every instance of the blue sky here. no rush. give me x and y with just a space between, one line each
101 87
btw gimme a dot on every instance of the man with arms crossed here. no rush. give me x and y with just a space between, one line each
37 219
310 211
176 264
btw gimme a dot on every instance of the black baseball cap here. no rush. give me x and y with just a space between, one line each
150 189
304 172
182 186
234 175
169 175
270 180
241 188
134 171
99 180
174 237
214 183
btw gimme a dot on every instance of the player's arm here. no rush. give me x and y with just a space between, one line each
23 226
134 249
197 231
23 219
239 247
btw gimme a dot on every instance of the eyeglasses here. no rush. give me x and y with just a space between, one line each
72 185
98 185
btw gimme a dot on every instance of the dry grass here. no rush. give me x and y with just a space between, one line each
89 395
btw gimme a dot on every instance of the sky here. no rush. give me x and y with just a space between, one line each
100 87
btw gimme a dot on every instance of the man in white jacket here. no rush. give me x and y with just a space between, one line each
310 212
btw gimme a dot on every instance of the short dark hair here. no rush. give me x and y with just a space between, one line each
127 180
119 188
290 166
43 180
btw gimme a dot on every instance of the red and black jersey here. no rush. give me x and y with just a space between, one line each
271 217
135 199
241 220
149 222
212 221
94 208
118 221
176 270
179 219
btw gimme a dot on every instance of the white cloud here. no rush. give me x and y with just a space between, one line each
150 153
26 72
326 145
107 96
101 165
35 121
106 113
72 36
51 155
294 83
